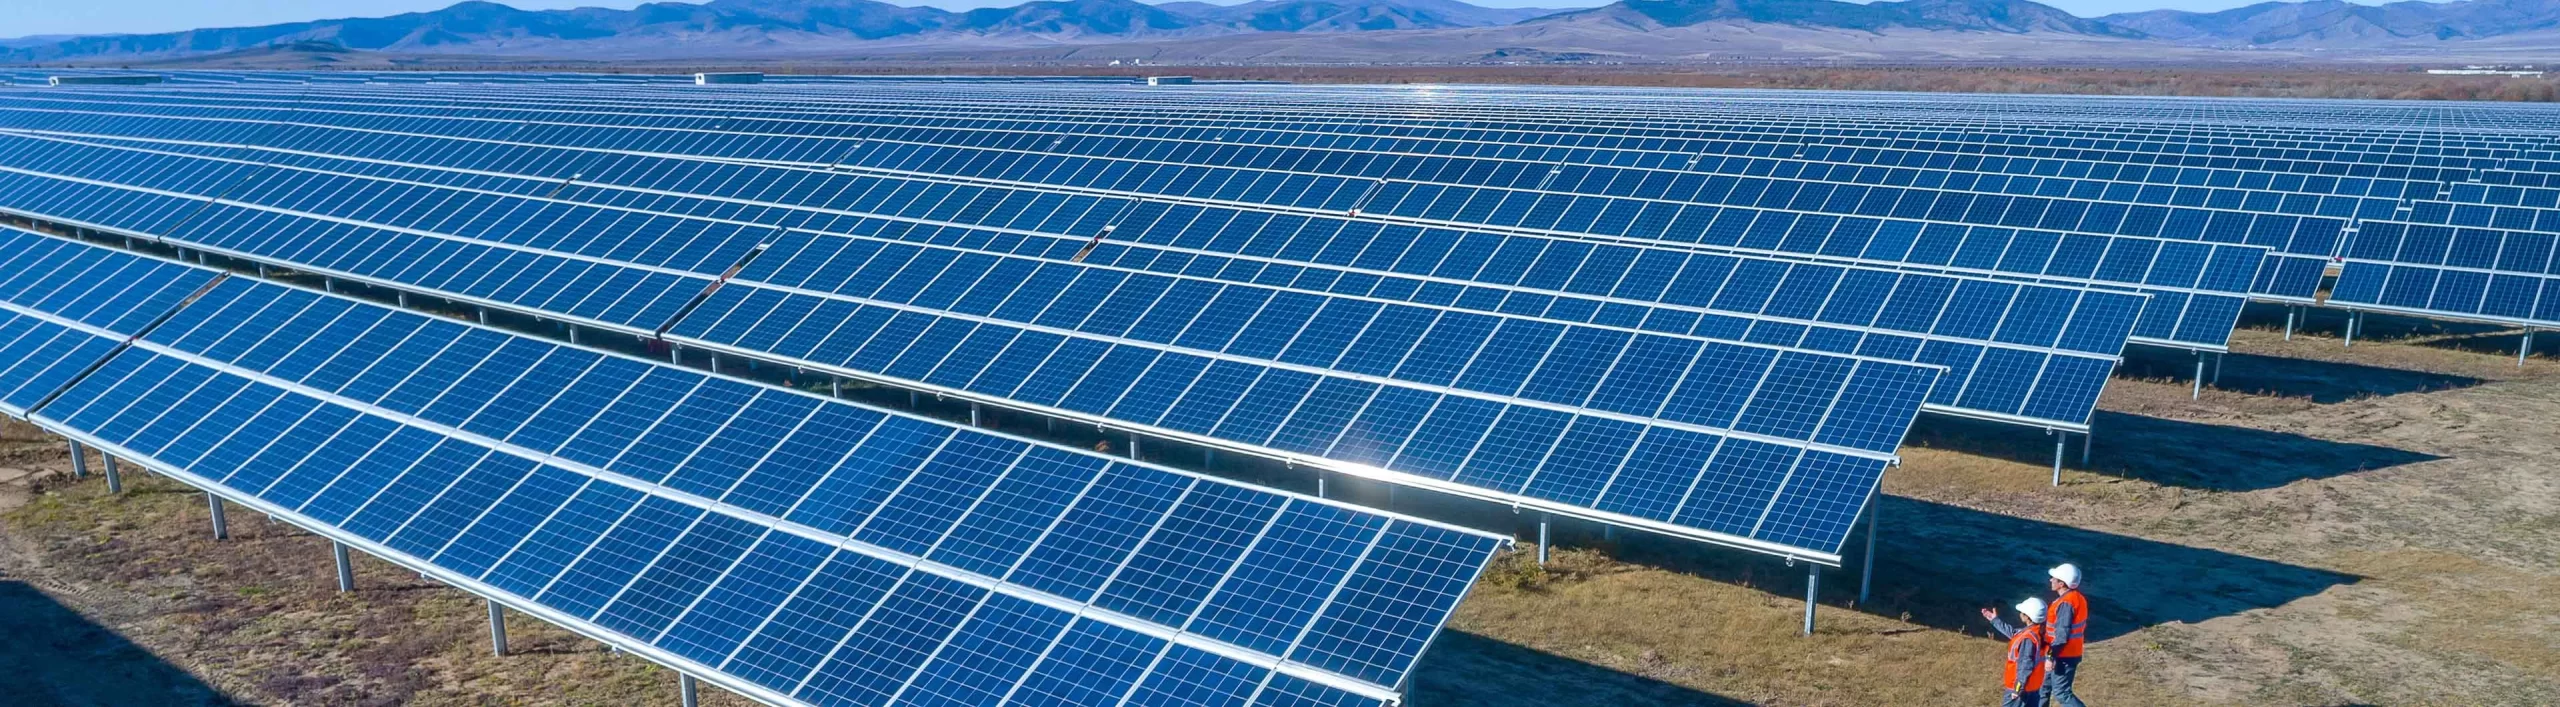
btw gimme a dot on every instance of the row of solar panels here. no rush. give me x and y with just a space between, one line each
1649 205
790 546
2512 302
1069 334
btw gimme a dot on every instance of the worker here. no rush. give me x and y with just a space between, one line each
2023 681
2067 627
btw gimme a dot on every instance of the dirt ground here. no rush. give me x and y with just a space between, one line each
2326 526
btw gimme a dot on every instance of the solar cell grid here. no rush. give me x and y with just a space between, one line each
618 547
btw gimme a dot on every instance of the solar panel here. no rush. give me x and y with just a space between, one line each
2473 273
799 549
64 307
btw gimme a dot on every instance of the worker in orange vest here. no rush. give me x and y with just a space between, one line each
2066 626
2022 682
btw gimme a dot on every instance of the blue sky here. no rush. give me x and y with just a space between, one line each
19 18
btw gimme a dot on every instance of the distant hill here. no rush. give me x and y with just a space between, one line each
1350 30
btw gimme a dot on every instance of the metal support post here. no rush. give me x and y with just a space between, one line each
573 333
2059 438
715 362
262 271
1867 564
484 314
2086 439
835 387
79 461
115 481
403 297
2524 348
329 284
2355 320
221 529
2198 391
1542 540
686 691
1133 445
497 629
973 415
2217 367
346 570
1812 591
2288 322
1321 490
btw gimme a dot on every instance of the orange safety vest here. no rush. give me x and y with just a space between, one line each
2027 644
2071 635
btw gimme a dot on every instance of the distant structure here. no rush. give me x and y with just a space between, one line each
107 80
2525 70
735 77
1168 80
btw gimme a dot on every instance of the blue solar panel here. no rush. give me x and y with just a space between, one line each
2475 273
794 547
1581 416
65 306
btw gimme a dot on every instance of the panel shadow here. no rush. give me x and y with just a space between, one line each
2323 382
1467 669
1942 563
2179 453
1937 564
54 656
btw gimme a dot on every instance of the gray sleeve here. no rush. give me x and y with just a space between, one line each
2004 628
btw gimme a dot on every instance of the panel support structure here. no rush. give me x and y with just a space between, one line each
2524 348
346 570
2059 439
115 480
497 629
2355 320
1812 591
221 528
687 692
2288 322
1543 544
1867 564
79 461
2197 392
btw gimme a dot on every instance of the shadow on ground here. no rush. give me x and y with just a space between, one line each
54 656
1936 564
2179 453
1467 669
2323 382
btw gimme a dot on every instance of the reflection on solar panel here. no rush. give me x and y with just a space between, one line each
794 548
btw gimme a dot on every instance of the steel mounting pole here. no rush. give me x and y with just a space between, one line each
2059 439
2524 348
221 529
2198 391
1812 591
115 481
497 628
1543 544
687 692
1867 564
79 461
346 570
2288 322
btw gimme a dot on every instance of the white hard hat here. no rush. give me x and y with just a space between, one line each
2069 574
2033 608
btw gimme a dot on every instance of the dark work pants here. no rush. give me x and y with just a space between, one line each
2057 683
2023 699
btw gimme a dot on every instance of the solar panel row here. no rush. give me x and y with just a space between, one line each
798 546
1509 274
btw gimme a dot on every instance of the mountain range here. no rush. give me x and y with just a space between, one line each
1356 30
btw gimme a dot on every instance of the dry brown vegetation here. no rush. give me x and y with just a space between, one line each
2270 81
2327 526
